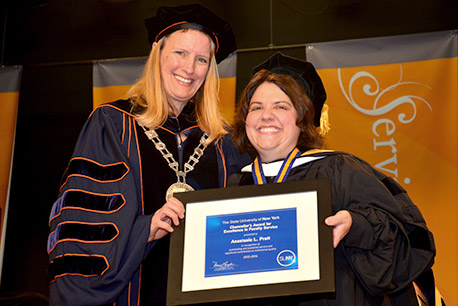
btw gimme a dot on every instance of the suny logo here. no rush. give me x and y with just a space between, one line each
286 258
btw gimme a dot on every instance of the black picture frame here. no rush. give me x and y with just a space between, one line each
325 283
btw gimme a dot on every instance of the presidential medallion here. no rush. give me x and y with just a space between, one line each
177 188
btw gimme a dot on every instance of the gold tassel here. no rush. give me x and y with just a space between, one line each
325 125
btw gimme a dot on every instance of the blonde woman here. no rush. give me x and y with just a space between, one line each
109 226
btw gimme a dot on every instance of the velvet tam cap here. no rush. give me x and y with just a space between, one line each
169 19
303 73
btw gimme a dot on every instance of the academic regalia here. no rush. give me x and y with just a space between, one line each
115 181
388 245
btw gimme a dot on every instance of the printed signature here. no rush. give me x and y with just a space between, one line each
225 266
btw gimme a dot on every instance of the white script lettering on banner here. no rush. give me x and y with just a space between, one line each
383 128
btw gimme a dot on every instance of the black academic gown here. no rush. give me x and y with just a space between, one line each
388 245
115 181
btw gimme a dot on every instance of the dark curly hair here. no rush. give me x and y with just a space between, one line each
309 137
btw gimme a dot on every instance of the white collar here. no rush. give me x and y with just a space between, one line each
271 169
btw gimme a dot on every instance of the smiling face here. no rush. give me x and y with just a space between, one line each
271 123
185 59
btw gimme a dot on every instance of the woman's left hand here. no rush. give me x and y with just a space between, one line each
341 222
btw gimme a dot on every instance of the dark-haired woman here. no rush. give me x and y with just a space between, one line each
380 238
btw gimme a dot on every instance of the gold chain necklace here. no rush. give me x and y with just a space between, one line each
180 185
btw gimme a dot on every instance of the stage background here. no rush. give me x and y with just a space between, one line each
112 80
393 102
57 42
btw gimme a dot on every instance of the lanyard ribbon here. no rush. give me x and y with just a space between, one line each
258 174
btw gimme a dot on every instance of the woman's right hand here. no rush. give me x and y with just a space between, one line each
161 222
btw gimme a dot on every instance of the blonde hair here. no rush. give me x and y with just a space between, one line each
148 93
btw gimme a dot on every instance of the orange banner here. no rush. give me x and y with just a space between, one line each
9 98
393 101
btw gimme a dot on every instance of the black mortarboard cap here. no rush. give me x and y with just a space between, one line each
305 75
169 19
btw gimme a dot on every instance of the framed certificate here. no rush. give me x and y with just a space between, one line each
250 242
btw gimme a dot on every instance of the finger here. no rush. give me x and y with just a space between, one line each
336 236
177 206
335 242
330 221
159 229
167 214
339 218
162 225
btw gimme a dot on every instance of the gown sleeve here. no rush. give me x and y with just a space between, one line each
389 244
230 159
98 235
